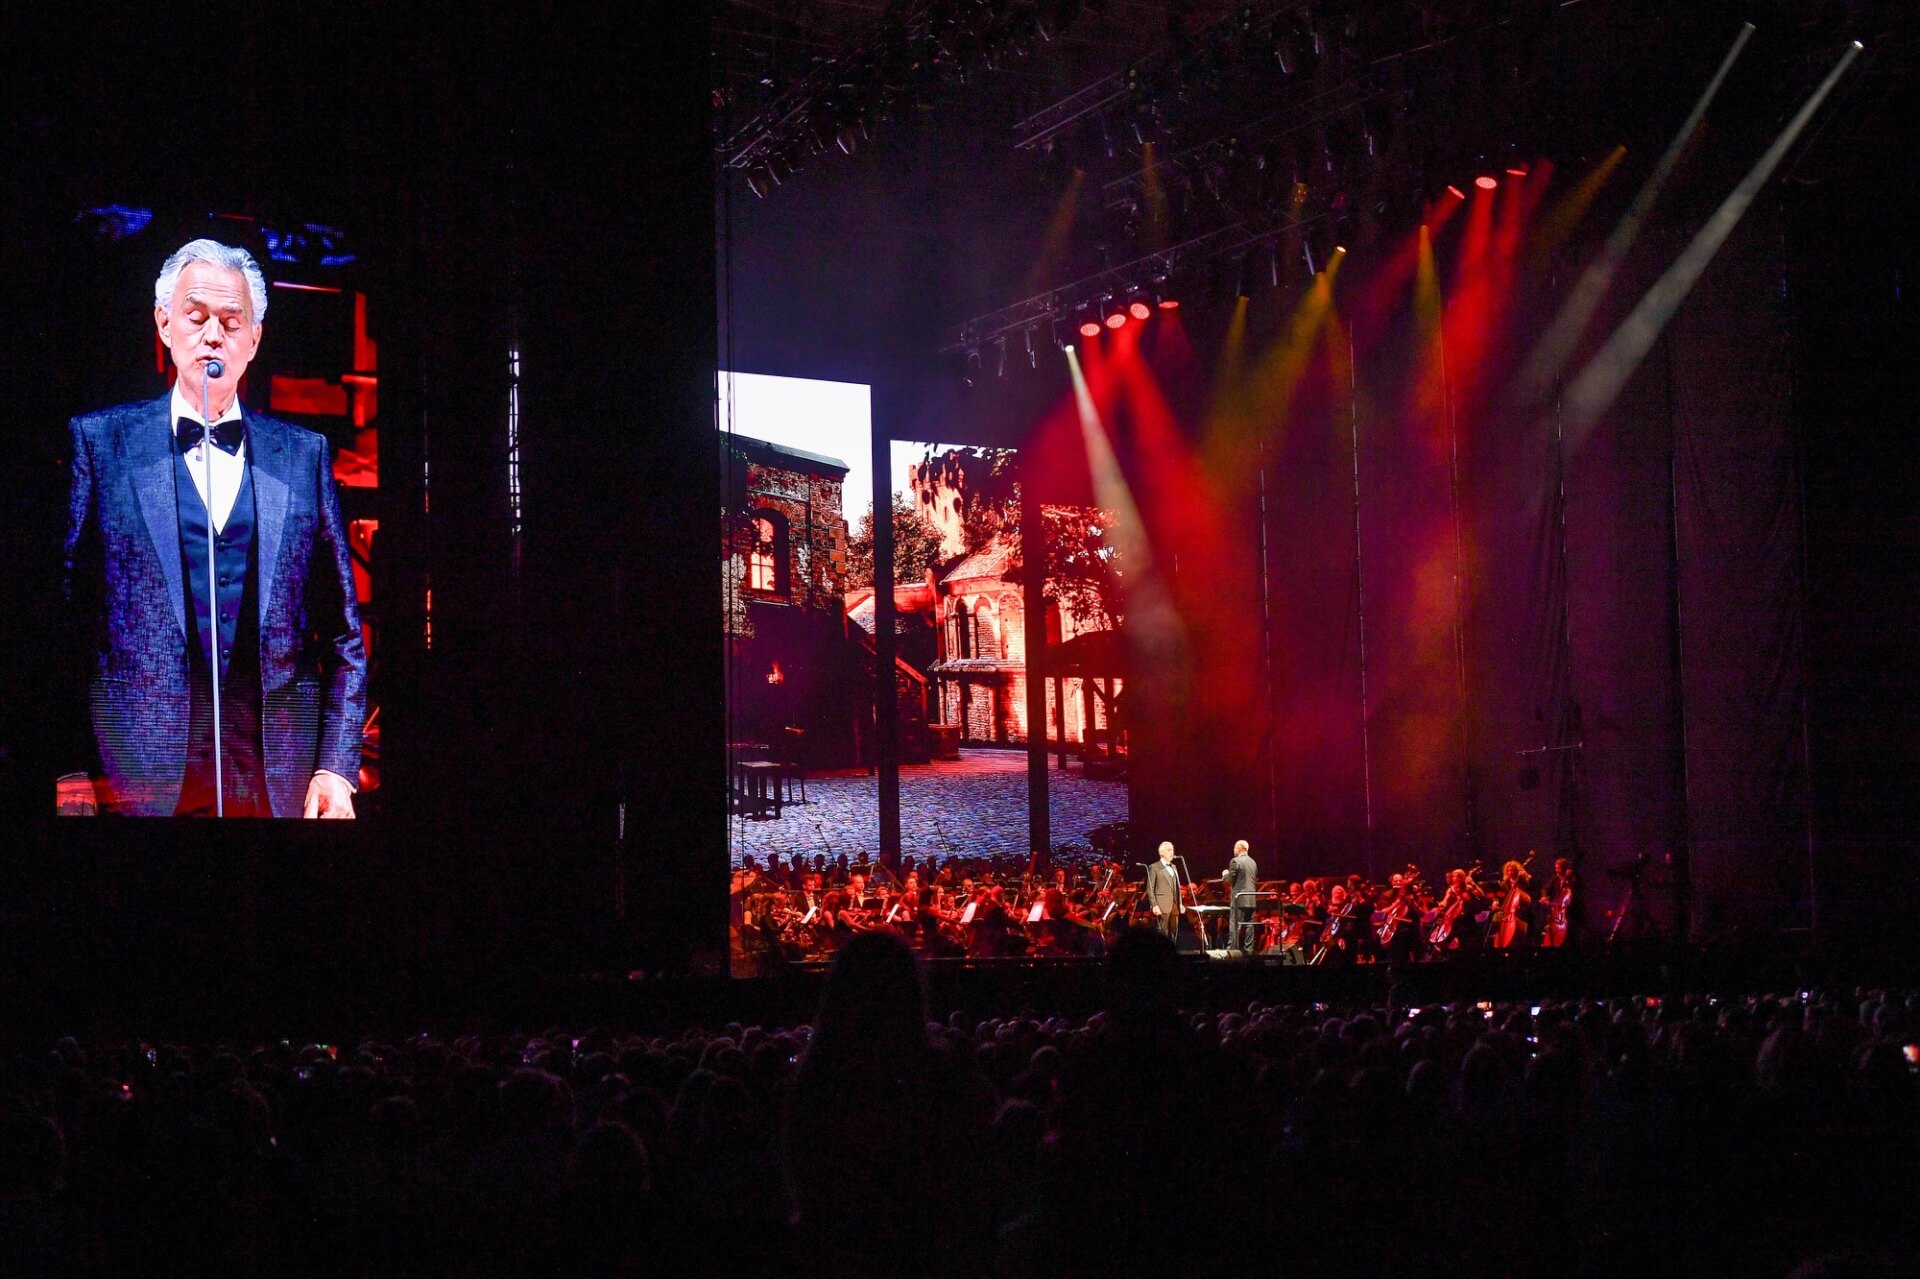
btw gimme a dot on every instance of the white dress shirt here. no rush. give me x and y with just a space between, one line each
228 468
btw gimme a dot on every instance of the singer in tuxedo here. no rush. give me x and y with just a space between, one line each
280 617
1163 893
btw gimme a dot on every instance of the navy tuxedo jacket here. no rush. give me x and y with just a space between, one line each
124 581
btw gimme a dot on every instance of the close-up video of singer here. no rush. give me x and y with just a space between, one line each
210 581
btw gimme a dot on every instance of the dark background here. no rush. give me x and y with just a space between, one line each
526 172
503 172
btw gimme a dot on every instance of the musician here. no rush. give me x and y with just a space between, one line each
834 926
1056 933
1556 905
1337 929
1241 876
1163 893
1457 905
1515 904
990 937
1398 913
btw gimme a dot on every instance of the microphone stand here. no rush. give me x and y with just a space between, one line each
211 370
1199 920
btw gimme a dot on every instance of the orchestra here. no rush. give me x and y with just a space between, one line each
803 910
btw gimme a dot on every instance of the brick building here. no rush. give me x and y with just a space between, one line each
790 664
978 676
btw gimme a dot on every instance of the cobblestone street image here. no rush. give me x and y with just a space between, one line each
978 803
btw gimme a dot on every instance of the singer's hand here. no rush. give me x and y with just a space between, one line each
329 796
1158 911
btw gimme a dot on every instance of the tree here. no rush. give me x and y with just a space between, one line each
1083 564
1084 570
916 546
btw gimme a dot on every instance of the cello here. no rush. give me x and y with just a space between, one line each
1455 905
1559 905
1508 921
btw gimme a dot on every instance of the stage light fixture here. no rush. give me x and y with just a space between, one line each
1516 171
1486 182
1114 311
1086 321
1137 305
1456 192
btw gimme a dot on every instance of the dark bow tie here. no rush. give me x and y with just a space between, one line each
226 435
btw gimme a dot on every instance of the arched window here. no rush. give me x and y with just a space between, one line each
986 630
962 630
1013 635
767 556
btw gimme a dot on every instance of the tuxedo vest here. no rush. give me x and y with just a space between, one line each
232 601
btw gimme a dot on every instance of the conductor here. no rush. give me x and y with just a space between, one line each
1241 876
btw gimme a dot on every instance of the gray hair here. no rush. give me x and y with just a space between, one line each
226 255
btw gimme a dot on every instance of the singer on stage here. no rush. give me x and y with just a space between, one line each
1163 893
292 670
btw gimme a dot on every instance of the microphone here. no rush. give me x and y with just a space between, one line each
214 369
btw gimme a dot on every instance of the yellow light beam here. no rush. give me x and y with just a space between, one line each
1557 225
1059 232
1153 624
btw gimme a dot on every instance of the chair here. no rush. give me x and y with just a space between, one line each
793 771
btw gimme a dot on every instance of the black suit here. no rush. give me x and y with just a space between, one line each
1242 878
1163 893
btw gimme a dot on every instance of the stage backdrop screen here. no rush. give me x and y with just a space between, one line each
265 327
798 592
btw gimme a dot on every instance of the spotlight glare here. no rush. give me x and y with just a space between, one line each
1517 171
1485 182
1139 310
1090 329
1456 192
1339 248
1117 319
1169 304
